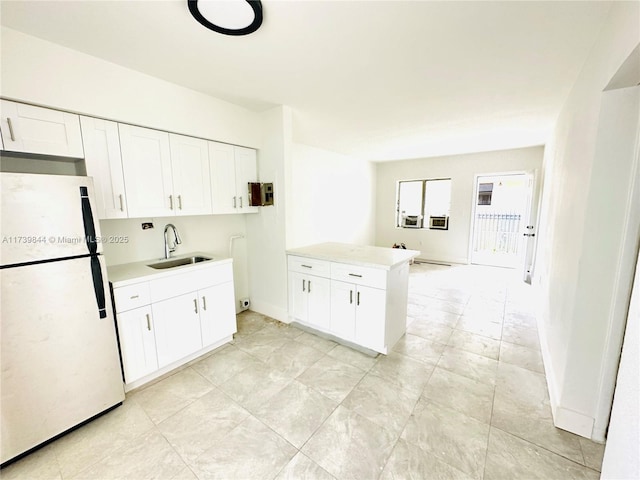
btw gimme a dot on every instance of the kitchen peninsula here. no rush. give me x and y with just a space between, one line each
355 293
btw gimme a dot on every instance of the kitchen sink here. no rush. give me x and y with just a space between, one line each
178 262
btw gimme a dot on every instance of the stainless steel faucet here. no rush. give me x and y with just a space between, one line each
177 241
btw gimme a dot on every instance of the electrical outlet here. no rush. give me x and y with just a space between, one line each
244 303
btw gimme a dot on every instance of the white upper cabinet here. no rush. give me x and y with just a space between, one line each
232 168
137 171
190 173
223 178
246 171
104 164
146 160
29 129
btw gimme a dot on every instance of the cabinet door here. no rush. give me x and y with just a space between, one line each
104 164
343 314
223 178
370 317
137 343
298 298
319 293
177 323
246 171
217 313
30 129
190 172
146 161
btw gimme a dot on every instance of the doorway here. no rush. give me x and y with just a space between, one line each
501 226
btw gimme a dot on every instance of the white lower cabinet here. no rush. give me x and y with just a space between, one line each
217 313
358 314
177 322
309 297
168 321
136 333
362 305
343 310
370 317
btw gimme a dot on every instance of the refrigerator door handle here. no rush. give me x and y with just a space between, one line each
89 224
98 286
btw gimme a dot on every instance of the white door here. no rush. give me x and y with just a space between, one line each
217 313
104 164
30 129
60 362
246 171
501 214
319 306
223 178
42 217
146 160
137 343
190 172
529 231
370 317
177 323
343 313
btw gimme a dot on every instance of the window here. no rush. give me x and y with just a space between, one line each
485 191
418 200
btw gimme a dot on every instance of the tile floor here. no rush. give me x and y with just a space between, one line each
462 396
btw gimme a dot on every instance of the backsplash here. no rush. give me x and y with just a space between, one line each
125 241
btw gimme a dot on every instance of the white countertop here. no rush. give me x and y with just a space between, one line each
130 273
365 255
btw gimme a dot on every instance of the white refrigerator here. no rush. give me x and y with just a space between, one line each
60 363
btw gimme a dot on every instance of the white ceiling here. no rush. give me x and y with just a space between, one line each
381 80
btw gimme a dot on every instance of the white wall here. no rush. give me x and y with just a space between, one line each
319 196
209 234
266 232
585 211
41 72
332 198
444 245
44 73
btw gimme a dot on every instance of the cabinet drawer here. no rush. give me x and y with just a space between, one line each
131 296
175 285
310 266
372 277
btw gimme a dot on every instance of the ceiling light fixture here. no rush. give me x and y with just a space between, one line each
230 17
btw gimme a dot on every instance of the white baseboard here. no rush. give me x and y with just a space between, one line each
563 418
270 310
443 261
573 422
549 372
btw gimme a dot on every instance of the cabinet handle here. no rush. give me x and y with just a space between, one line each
180 202
309 286
121 203
134 296
358 299
355 275
306 266
148 321
171 202
240 201
350 296
303 285
13 137
195 305
234 203
204 303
